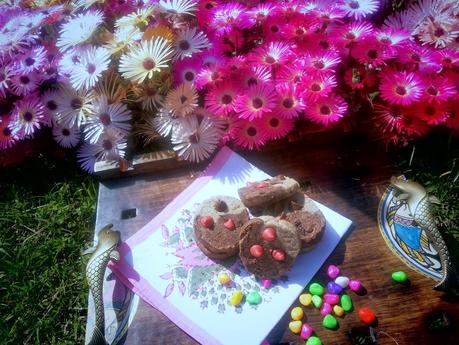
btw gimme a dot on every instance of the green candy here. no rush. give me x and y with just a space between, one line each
346 302
399 277
317 301
316 289
329 322
253 298
313 341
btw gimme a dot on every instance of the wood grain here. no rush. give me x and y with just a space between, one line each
347 178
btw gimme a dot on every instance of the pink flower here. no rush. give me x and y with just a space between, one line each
30 60
256 101
227 16
354 32
289 104
453 120
234 65
261 12
320 43
25 83
359 9
372 52
400 87
271 54
273 29
389 118
209 76
330 14
205 11
438 88
359 77
420 57
447 58
392 37
186 70
292 73
321 63
8 134
249 135
221 98
28 115
326 110
317 86
432 113
275 126
255 75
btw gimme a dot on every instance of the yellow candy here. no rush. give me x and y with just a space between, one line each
295 326
338 310
297 313
224 278
305 299
236 299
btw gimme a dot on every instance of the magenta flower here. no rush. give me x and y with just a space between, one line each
249 135
321 63
30 60
227 16
317 86
256 101
432 113
272 54
359 9
354 32
28 115
255 75
25 83
289 104
221 98
438 88
186 70
372 52
401 87
275 126
208 76
8 135
326 110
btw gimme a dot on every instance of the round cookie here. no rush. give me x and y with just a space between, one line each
308 220
268 246
217 225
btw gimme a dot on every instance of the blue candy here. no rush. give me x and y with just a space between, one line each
334 288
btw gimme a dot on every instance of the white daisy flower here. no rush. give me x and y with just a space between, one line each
87 72
49 99
87 157
70 60
84 3
189 42
195 139
178 6
79 29
28 115
74 106
182 100
437 31
148 94
5 77
24 83
165 122
145 59
110 146
14 37
359 8
105 117
123 39
138 18
31 60
66 136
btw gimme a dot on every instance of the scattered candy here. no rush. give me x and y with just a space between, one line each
400 277
266 283
229 224
355 285
367 315
317 301
329 322
331 298
297 313
295 326
207 221
278 255
333 271
334 288
346 302
306 331
338 310
269 234
325 309
237 297
342 281
256 250
313 341
316 289
224 278
253 298
305 299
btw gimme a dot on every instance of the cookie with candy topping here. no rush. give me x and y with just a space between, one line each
217 225
268 246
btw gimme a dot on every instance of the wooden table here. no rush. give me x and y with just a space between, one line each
346 177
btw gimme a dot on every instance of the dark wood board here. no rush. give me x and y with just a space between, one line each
348 178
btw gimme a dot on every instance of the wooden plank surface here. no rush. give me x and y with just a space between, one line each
347 178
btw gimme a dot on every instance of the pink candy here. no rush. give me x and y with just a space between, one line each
306 331
331 299
355 285
333 271
266 283
325 309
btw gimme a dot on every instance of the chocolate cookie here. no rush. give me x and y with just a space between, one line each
268 246
308 220
217 225
259 194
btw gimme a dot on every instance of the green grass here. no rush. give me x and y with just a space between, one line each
46 218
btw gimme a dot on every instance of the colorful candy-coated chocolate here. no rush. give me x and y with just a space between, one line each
256 251
237 298
207 221
313 341
355 285
253 298
297 313
338 310
316 289
346 302
295 326
224 278
306 331
325 309
278 255
269 234
317 301
342 281
305 299
367 316
334 288
266 283
331 298
329 322
333 271
229 224
399 277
